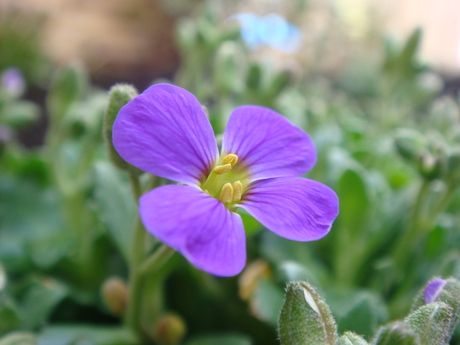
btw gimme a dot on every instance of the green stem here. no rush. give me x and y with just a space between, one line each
137 257
402 250
157 259
140 265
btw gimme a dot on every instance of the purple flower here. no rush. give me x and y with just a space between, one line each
433 289
13 82
165 132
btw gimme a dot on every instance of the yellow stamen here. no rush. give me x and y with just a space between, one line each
226 195
231 158
221 169
237 191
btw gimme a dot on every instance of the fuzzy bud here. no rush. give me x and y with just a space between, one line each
441 290
170 329
431 166
397 333
115 295
350 338
119 96
432 323
410 143
305 318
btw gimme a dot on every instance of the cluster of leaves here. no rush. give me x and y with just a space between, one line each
385 144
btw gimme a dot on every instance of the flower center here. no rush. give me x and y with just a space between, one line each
227 181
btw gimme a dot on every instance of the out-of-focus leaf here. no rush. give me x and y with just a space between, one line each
88 335
29 213
39 302
19 338
360 312
9 314
266 301
116 206
354 201
20 114
230 339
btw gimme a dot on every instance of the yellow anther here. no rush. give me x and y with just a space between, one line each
221 169
226 195
237 191
231 158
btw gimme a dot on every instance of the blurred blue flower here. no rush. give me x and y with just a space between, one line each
12 82
272 30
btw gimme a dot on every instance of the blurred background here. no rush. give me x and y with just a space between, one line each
374 82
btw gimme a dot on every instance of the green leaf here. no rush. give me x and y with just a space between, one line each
354 201
88 335
361 316
266 301
39 301
115 204
18 338
9 314
20 114
30 216
230 339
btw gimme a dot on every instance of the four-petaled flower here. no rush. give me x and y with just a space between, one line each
164 131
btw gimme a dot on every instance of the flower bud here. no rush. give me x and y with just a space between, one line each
119 96
305 318
170 329
19 338
115 295
440 290
397 333
350 338
410 143
431 166
432 323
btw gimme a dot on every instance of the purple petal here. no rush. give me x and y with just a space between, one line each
165 132
268 143
200 227
296 208
433 289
